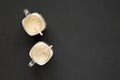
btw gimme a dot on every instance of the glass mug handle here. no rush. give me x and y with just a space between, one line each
31 63
26 11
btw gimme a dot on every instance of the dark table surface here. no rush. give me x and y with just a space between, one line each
85 35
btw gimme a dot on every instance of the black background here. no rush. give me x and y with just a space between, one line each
85 35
